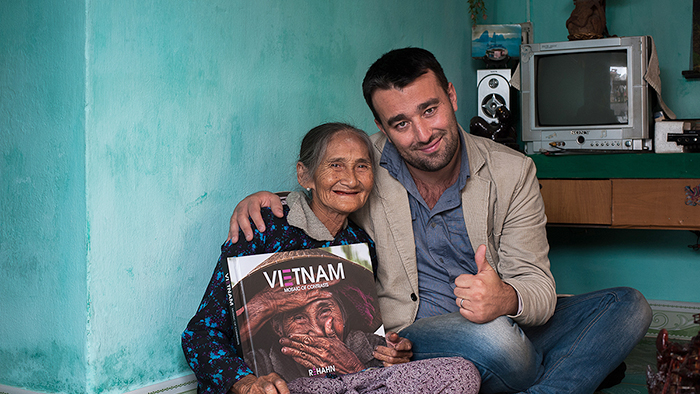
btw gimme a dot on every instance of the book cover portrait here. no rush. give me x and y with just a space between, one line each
306 312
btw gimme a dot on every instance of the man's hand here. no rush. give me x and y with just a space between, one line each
248 209
268 384
484 296
397 351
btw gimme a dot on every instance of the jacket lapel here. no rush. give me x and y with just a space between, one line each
475 199
394 199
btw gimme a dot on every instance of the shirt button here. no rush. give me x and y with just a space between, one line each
432 224
414 297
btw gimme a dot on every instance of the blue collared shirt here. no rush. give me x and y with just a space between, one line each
443 250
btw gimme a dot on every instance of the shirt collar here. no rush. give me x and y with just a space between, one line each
301 216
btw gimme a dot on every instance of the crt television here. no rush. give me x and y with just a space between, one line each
586 95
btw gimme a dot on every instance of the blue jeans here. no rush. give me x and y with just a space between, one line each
586 338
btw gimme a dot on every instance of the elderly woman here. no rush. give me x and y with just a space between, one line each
335 168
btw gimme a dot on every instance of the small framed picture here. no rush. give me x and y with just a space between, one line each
496 42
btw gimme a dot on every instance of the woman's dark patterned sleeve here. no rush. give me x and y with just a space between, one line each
208 340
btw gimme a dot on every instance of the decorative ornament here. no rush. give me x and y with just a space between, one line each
587 20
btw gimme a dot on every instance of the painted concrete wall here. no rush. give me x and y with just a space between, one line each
192 106
42 195
170 112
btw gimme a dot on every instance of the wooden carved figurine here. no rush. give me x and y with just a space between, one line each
587 20
678 366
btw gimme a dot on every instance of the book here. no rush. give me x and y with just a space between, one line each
306 312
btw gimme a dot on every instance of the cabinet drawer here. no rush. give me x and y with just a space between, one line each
577 201
662 203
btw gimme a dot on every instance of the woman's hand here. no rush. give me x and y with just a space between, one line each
320 352
397 351
268 384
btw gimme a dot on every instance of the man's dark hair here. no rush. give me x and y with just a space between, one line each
398 68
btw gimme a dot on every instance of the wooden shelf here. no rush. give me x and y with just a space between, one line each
622 203
570 201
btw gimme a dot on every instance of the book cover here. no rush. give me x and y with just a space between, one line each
306 312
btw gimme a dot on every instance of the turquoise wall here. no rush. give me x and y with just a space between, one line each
658 263
192 106
129 131
42 195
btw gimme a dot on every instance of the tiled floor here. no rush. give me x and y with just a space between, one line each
635 377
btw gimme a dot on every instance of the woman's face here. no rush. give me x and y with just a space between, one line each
320 318
344 179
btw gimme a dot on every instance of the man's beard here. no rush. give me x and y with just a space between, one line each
440 159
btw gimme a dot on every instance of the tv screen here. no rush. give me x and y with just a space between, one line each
582 89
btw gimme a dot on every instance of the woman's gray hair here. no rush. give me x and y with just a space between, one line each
315 142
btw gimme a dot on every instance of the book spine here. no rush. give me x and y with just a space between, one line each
232 312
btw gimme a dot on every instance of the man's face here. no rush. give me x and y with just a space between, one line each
319 318
420 121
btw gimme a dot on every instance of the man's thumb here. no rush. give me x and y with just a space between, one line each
480 259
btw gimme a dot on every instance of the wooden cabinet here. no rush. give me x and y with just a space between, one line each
623 203
577 201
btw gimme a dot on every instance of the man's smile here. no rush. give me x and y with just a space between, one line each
431 147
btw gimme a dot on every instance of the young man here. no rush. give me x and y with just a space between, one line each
459 226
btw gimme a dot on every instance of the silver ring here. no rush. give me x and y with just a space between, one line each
460 303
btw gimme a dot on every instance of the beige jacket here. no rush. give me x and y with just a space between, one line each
502 208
